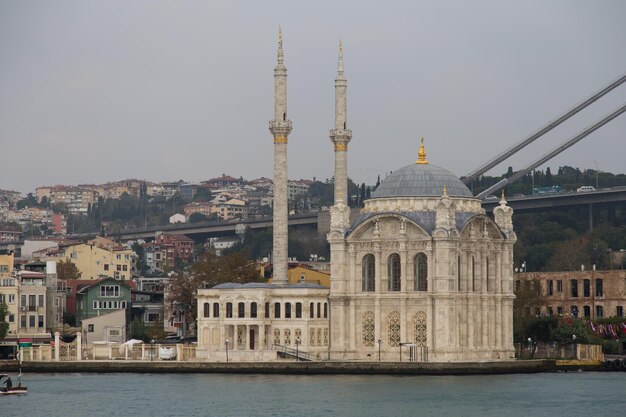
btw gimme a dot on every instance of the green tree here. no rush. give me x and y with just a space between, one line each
67 270
203 194
528 298
572 330
4 325
198 218
206 272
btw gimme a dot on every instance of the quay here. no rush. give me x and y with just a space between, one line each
306 368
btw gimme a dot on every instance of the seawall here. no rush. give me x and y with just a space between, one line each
304 368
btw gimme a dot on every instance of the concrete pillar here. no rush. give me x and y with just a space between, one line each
57 346
79 346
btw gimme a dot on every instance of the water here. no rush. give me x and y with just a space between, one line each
139 395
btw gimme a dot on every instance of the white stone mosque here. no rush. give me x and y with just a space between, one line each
422 274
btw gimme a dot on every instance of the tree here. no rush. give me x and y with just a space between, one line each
203 194
67 270
527 299
208 271
198 218
572 330
569 255
4 325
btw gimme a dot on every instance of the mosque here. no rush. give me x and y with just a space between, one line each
421 272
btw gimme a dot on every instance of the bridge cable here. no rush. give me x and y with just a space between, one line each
514 149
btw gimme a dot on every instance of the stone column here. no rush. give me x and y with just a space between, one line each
57 346
79 346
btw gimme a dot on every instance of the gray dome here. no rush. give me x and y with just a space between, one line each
421 180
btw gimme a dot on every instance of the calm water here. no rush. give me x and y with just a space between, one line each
138 395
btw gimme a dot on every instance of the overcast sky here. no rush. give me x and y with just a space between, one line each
97 91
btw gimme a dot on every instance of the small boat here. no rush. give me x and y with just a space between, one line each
9 389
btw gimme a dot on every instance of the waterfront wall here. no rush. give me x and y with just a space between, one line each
311 368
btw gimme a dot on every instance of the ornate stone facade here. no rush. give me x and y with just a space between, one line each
425 270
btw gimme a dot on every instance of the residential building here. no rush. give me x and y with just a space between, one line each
99 258
78 200
201 207
9 293
592 294
232 209
294 188
153 257
223 181
176 247
102 296
9 235
178 218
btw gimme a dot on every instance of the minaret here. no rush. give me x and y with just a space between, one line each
341 135
280 127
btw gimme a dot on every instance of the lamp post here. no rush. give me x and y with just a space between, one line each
297 349
151 350
379 343
227 349
400 345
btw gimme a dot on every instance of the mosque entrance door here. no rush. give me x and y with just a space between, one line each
251 339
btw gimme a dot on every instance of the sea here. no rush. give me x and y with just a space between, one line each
139 395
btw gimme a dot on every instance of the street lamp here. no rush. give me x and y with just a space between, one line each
151 350
297 349
574 339
379 343
227 349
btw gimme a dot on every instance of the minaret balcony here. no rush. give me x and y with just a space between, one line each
341 135
280 127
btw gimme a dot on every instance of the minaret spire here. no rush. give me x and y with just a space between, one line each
341 135
280 57
280 127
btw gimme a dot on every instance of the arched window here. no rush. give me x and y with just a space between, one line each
276 310
241 310
216 309
253 312
229 310
287 310
267 310
393 271
319 310
421 272
207 309
325 310
311 310
298 310
369 273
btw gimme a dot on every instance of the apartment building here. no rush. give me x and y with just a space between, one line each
590 294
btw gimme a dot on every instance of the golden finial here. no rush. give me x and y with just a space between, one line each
421 154
280 37
445 190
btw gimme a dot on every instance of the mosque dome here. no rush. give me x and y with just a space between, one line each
421 179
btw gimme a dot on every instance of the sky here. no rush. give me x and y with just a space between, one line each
98 91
